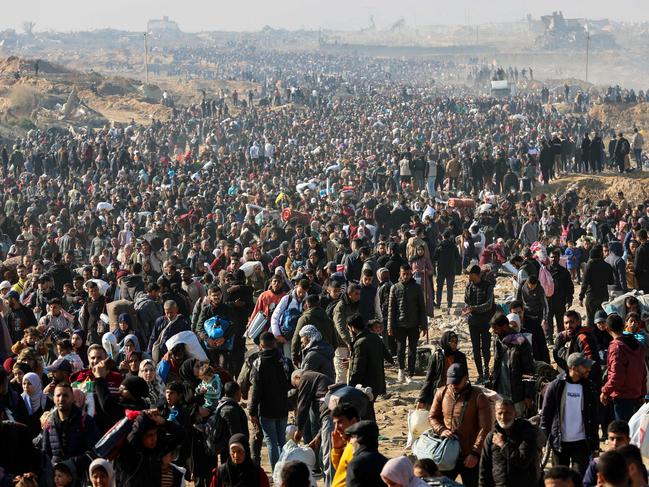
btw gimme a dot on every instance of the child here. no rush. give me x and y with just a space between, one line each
32 338
64 474
66 351
210 386
572 259
632 326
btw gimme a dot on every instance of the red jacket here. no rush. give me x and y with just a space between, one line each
627 376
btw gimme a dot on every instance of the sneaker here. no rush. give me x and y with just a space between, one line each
401 376
408 379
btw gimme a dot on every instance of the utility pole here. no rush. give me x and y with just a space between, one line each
587 50
146 61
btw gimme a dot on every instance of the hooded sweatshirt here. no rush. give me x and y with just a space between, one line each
364 470
626 369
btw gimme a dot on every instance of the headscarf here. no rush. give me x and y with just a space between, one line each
245 474
37 400
311 333
400 471
105 464
134 339
186 372
445 342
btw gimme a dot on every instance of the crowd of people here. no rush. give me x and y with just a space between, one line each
172 294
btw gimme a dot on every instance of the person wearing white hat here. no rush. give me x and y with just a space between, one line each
5 287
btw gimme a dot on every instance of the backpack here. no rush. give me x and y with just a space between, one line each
216 327
289 320
547 283
215 433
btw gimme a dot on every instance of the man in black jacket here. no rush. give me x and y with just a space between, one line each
406 318
364 469
641 262
447 260
513 359
233 415
598 275
510 452
569 414
561 300
311 387
366 365
269 395
479 300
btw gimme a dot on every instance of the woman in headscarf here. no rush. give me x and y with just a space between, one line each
398 472
150 375
422 271
446 355
317 354
189 376
34 403
79 345
239 470
101 473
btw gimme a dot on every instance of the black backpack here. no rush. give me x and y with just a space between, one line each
215 433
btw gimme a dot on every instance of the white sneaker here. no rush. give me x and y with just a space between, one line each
408 379
401 376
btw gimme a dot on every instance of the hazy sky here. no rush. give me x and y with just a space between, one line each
196 15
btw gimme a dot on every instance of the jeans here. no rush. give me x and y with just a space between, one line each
430 185
450 281
575 451
637 155
325 450
411 335
481 345
469 475
341 368
275 436
623 409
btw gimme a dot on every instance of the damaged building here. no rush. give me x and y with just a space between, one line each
563 33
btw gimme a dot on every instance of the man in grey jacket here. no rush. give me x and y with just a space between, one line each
529 231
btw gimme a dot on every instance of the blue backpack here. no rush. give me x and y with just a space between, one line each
289 320
216 327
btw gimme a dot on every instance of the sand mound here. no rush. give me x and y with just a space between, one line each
594 186
622 116
14 63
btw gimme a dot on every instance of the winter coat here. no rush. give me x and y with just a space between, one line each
130 286
476 423
447 258
366 364
514 353
69 439
148 311
618 265
641 267
626 377
318 318
480 296
406 307
344 310
319 357
436 376
270 386
314 386
598 275
583 341
552 412
516 463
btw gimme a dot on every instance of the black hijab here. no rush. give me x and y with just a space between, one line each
186 372
445 342
245 474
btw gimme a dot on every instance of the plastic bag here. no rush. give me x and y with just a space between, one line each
292 452
638 425
417 424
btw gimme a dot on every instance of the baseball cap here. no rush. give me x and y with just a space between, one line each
599 316
576 359
12 294
60 365
455 374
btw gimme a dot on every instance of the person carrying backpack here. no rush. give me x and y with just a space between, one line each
228 419
286 315
268 407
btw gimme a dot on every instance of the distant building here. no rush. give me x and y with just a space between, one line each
162 26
